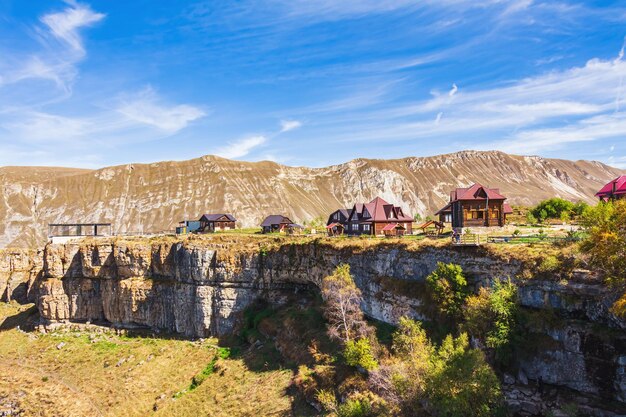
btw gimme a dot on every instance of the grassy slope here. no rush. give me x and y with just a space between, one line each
82 379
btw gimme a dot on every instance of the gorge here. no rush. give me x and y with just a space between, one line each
200 286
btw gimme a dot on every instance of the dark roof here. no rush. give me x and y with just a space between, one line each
446 209
275 219
216 217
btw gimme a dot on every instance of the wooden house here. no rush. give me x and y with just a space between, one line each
279 223
378 217
210 223
337 222
614 190
475 206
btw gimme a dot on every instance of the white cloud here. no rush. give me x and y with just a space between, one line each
438 118
241 148
287 125
146 108
43 127
65 25
453 90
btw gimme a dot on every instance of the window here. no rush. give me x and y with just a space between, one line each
495 214
366 227
355 227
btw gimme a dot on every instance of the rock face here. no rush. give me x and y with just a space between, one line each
154 197
19 268
576 350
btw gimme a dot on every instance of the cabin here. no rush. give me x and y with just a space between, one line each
337 221
475 206
614 190
210 223
378 217
279 223
188 226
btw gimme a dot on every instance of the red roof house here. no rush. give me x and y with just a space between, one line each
614 190
378 217
475 206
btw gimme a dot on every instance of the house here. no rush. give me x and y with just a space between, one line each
337 221
209 223
279 223
188 226
378 217
614 190
475 206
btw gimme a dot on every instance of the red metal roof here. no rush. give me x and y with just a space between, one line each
507 209
477 192
381 211
392 226
330 226
615 187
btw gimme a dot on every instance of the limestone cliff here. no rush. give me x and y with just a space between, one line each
154 197
200 287
19 268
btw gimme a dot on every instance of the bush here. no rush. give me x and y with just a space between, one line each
605 244
491 316
552 209
448 289
355 408
462 384
359 354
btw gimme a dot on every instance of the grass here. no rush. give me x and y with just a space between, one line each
100 373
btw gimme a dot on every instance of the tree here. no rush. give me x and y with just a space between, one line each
359 354
342 308
492 315
448 289
552 208
605 245
417 217
461 382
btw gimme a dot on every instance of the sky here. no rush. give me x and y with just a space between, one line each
314 83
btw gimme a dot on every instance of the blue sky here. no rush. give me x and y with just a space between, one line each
313 83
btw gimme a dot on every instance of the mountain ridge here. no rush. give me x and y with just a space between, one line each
153 197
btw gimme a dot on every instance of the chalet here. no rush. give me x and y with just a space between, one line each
614 190
337 221
209 223
378 217
475 206
279 223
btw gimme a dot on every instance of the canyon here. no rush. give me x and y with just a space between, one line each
200 286
151 198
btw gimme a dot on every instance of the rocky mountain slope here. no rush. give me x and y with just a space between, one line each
154 197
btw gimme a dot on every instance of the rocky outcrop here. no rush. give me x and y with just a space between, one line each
154 197
200 287
19 268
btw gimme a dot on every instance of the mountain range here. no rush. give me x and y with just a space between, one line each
155 197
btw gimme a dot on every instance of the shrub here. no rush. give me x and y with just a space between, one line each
530 218
606 241
461 383
327 400
358 407
491 316
359 354
553 208
549 263
448 289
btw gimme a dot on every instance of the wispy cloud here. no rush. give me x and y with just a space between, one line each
241 147
66 25
146 108
287 125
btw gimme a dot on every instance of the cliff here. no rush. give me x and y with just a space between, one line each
200 287
19 269
154 197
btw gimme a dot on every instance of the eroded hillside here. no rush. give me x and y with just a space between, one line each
154 197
